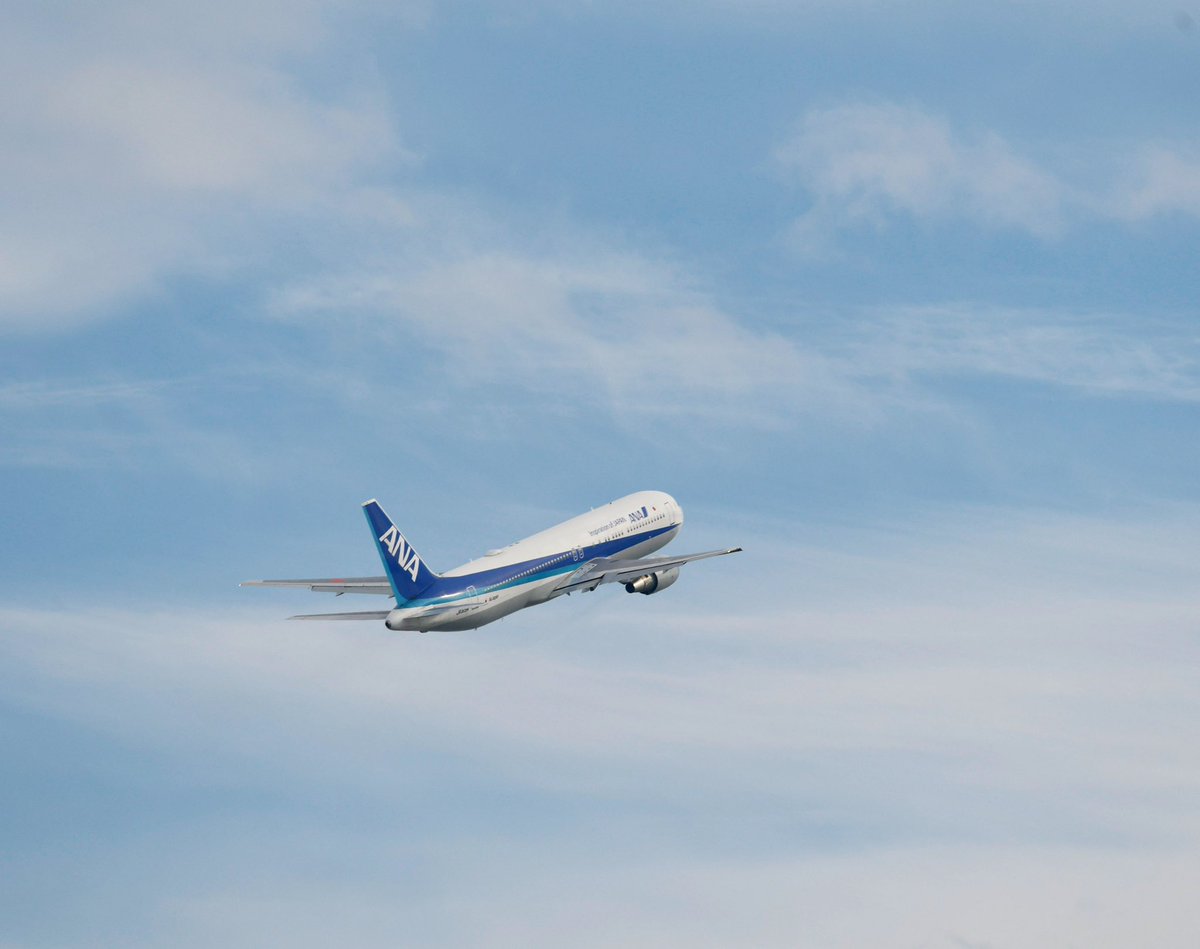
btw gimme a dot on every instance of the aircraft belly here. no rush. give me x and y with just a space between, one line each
648 546
473 614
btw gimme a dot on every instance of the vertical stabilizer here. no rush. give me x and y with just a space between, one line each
406 571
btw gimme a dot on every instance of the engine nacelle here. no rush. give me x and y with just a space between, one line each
653 582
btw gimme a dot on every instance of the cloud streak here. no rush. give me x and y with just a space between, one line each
626 332
629 334
1107 355
120 424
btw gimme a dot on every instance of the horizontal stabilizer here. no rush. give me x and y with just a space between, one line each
378 585
368 614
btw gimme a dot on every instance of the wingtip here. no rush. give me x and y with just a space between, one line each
370 501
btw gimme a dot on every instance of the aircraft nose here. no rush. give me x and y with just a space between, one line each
672 504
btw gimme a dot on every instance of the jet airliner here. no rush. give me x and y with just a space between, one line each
609 544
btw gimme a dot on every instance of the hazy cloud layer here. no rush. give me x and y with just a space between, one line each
801 755
142 145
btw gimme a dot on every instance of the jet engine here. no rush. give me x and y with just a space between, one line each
653 582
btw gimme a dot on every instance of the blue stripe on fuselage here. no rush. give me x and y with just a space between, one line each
449 589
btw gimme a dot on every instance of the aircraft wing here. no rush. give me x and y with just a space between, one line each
337 585
614 570
368 614
378 614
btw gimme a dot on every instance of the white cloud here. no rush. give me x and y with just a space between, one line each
864 164
1072 19
1165 180
137 139
244 131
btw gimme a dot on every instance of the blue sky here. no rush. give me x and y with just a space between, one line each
901 297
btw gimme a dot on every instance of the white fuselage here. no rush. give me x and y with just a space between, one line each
528 572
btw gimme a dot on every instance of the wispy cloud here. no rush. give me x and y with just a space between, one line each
32 396
870 163
626 332
1165 179
865 162
631 334
118 424
1100 354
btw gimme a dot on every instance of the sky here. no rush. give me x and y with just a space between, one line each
900 297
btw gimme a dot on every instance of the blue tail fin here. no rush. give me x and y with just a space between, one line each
406 571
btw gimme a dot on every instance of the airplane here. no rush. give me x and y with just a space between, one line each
607 545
